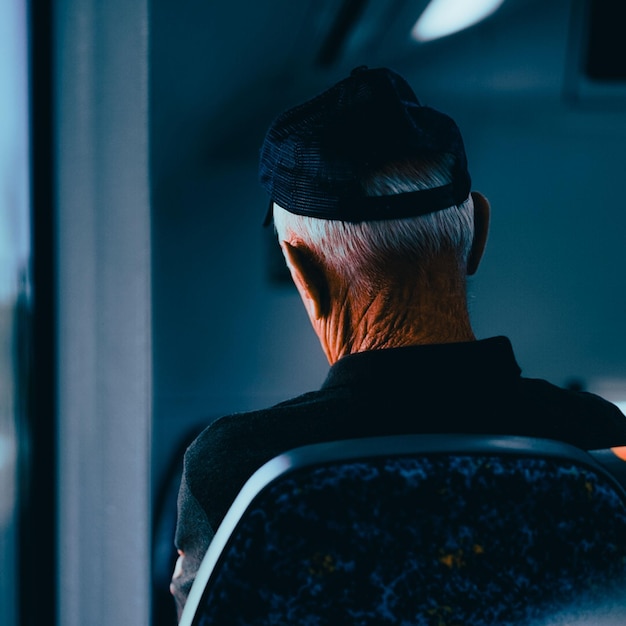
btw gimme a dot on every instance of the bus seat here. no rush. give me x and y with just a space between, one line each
420 530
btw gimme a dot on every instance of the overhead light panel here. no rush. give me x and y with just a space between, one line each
444 17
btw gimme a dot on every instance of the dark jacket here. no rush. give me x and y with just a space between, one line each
474 387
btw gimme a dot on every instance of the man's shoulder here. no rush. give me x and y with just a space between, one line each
227 452
243 424
580 417
238 436
573 399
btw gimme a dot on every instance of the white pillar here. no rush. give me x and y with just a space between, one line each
104 328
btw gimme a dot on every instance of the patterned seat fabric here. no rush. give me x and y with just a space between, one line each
439 540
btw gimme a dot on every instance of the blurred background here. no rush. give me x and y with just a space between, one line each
144 299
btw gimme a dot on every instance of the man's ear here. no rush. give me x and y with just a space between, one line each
482 212
309 278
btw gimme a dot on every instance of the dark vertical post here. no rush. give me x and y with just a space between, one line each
37 555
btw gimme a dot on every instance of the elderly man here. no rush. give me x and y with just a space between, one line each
370 196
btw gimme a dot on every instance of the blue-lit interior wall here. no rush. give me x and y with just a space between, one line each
226 339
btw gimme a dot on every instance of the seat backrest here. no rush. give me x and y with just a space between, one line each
454 530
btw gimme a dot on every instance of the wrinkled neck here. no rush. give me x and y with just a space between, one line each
408 312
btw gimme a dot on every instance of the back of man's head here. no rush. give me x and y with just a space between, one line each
370 254
368 178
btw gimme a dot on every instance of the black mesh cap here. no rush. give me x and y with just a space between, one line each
316 155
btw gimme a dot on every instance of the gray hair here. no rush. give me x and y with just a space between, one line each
360 252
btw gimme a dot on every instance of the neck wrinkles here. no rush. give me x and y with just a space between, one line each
407 313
